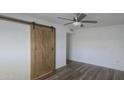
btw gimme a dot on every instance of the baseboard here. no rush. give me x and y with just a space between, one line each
95 65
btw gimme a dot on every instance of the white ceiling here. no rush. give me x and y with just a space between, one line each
104 19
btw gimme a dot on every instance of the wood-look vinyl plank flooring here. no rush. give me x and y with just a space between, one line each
83 71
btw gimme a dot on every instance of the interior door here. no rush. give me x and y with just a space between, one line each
43 51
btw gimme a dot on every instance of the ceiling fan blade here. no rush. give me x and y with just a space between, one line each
65 19
81 16
68 23
86 21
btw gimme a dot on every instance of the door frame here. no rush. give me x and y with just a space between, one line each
32 54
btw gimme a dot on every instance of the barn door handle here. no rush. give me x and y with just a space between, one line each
35 49
52 49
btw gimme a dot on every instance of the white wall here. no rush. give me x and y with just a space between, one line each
102 46
14 50
60 41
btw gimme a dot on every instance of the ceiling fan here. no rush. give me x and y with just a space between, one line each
78 20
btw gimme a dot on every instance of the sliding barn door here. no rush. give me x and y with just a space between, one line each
43 51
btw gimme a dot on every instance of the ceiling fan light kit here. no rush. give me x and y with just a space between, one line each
76 23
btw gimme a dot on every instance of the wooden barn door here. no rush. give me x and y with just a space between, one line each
43 51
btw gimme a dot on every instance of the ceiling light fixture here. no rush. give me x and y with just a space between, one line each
76 23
